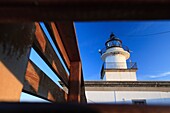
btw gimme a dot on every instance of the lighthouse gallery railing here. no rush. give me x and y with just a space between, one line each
104 49
116 66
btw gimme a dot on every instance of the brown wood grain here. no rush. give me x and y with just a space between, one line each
47 53
66 31
83 98
83 10
74 92
58 42
39 84
120 108
78 108
53 2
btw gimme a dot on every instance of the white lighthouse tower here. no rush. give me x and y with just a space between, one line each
115 66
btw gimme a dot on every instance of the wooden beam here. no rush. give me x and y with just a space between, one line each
112 108
58 42
78 108
39 84
67 33
15 44
83 98
44 108
74 91
84 10
47 53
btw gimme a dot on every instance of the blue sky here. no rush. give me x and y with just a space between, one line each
149 42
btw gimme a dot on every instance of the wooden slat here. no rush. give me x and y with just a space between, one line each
15 45
74 91
44 108
45 50
39 84
67 2
59 44
67 33
77 108
83 10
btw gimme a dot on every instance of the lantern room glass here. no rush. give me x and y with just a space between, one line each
113 43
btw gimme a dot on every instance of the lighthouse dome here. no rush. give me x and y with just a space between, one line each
113 41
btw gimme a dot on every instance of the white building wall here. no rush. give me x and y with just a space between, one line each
126 97
120 76
100 96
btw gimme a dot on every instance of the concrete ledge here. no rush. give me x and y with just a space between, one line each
127 83
163 86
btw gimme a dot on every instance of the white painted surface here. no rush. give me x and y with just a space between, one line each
126 97
115 50
100 97
115 58
120 76
117 61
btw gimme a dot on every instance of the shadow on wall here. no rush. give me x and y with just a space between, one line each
18 72
15 43
38 83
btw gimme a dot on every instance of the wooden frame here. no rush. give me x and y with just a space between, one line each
63 13
84 10
32 80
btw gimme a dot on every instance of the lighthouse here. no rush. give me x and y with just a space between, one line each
115 66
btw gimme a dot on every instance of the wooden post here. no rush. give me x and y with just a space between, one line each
15 44
74 83
83 98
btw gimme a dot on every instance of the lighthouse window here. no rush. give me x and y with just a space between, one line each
139 102
116 43
109 44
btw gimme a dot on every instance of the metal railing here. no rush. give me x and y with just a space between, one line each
104 49
117 65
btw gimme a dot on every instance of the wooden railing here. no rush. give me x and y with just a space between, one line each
33 80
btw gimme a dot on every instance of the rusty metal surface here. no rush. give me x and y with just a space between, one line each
15 44
40 85
47 53
84 10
